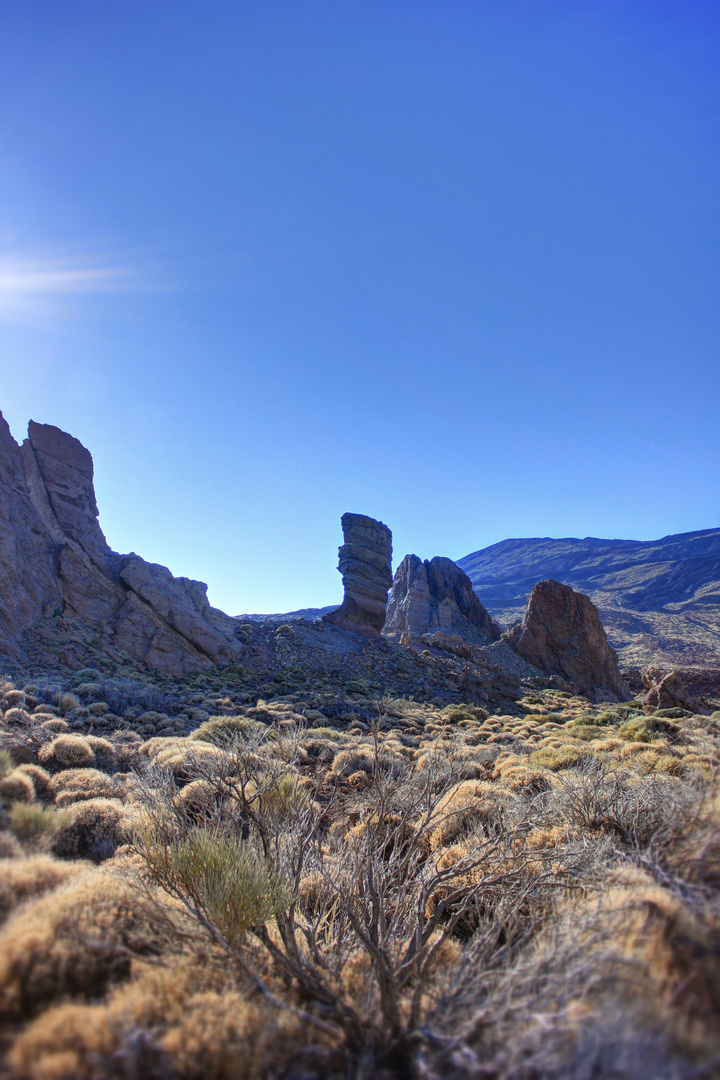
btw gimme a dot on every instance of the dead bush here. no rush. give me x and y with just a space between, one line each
16 787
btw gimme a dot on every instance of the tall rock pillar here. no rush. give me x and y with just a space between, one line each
366 568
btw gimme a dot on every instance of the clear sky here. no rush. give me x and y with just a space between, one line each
450 264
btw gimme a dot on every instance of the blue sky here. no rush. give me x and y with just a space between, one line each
451 264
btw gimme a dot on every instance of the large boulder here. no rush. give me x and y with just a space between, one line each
365 562
55 561
561 634
436 595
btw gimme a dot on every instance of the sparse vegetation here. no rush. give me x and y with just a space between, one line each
378 887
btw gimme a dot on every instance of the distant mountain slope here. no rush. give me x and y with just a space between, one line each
659 599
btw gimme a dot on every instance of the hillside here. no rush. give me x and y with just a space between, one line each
659 599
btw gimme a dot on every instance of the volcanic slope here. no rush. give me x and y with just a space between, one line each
659 599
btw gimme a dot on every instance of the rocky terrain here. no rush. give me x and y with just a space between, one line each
659 600
56 569
384 843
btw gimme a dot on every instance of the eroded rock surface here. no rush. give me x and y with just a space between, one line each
435 595
55 561
365 562
669 690
561 633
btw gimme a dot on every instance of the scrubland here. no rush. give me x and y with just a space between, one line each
398 889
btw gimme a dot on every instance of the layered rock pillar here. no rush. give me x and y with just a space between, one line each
365 562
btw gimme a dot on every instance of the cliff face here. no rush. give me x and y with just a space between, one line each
436 595
55 560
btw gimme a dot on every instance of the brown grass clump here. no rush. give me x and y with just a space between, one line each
72 942
40 780
198 1027
16 787
558 757
76 785
94 830
67 752
54 725
23 879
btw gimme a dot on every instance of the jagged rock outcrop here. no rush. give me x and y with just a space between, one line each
55 561
365 562
436 595
561 633
668 691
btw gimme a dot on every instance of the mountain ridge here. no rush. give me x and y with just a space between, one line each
659 599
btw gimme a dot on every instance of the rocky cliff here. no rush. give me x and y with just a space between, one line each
56 563
436 595
561 634
365 562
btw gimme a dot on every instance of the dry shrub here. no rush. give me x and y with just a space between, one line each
465 806
558 757
221 730
94 830
23 879
17 787
197 1027
40 779
13 699
67 752
76 785
359 758
73 942
103 750
54 725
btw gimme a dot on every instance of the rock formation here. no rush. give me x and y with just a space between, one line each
55 561
668 691
366 568
561 633
436 595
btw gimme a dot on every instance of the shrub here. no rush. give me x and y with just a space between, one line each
221 730
71 942
67 752
14 699
232 885
16 787
647 728
456 713
198 1028
55 725
75 785
557 757
25 878
41 780
32 824
94 830
6 762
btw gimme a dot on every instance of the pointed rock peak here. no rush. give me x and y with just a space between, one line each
561 633
435 595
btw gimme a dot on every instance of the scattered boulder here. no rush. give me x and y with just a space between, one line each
561 633
668 691
433 596
55 561
365 562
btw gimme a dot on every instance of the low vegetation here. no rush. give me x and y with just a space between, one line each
389 888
